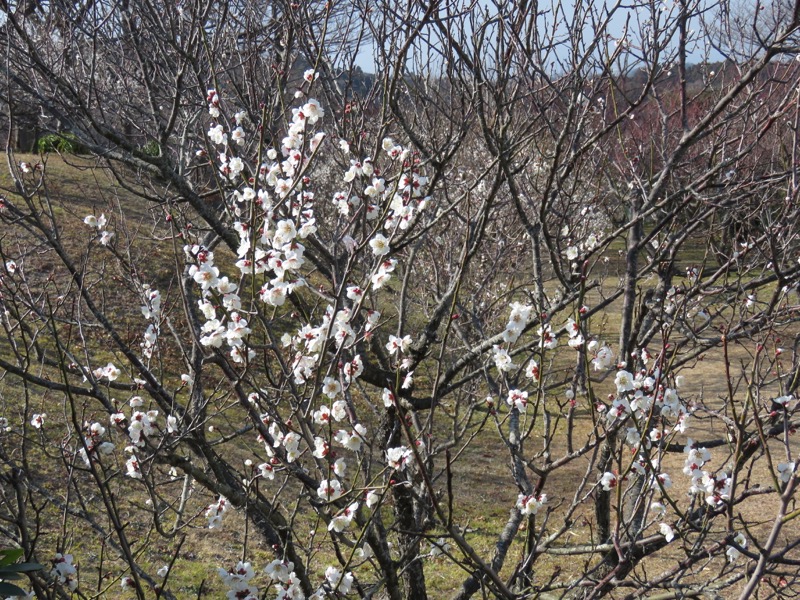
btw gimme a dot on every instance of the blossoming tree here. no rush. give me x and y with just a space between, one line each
538 274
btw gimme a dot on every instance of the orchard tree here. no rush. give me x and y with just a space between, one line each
516 316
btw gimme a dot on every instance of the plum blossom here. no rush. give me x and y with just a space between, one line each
520 315
110 372
142 424
379 245
408 381
292 590
291 443
217 135
133 469
785 471
658 509
97 222
718 488
397 458
152 306
215 512
575 335
734 553
240 574
331 387
237 135
697 456
352 440
623 381
355 293
127 583
342 520
313 111
603 357
339 410
373 498
206 275
337 581
266 471
321 448
548 339
280 570
667 532
532 371
353 369
235 167
608 481
329 490
517 399
502 360
530 504
340 467
64 571
397 344
620 407
322 415
383 274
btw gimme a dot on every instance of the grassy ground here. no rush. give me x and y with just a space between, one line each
484 491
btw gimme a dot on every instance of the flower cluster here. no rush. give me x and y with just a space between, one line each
142 425
575 334
287 585
517 399
637 394
530 504
64 571
338 581
397 458
151 310
110 372
272 209
216 511
94 443
603 356
342 520
517 320
231 328
237 582
99 223
716 487
548 339
134 470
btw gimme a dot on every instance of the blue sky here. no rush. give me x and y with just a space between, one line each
700 49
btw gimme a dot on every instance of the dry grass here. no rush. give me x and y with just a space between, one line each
484 490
